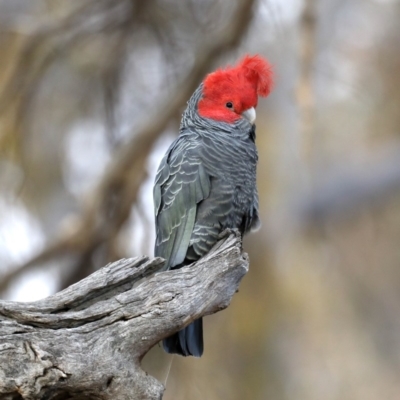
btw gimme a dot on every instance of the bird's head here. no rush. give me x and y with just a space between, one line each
232 93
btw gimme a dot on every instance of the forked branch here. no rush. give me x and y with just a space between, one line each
87 341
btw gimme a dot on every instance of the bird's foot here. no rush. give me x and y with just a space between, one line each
229 231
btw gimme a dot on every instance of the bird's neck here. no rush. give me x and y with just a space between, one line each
190 116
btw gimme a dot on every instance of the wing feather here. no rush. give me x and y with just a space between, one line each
181 184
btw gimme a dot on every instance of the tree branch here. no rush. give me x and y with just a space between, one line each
346 190
88 340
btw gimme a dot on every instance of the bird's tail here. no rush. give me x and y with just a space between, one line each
187 342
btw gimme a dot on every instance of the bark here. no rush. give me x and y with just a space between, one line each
87 341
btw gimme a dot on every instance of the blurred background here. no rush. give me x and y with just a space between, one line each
91 94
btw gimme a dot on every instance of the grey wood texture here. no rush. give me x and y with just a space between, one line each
87 341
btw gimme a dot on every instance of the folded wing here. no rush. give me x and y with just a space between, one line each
181 184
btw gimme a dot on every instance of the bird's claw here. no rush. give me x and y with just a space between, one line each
227 232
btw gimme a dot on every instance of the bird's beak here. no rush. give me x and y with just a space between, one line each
250 115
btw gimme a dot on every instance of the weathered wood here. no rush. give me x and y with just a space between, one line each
87 341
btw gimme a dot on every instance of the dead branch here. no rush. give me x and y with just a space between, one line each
87 341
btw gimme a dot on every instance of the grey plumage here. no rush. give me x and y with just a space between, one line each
205 184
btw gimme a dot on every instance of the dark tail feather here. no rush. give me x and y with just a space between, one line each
187 342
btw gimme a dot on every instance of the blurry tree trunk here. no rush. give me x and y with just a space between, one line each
305 87
87 341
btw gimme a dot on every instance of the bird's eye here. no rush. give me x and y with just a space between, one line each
229 104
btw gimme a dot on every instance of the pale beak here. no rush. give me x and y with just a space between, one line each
250 115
